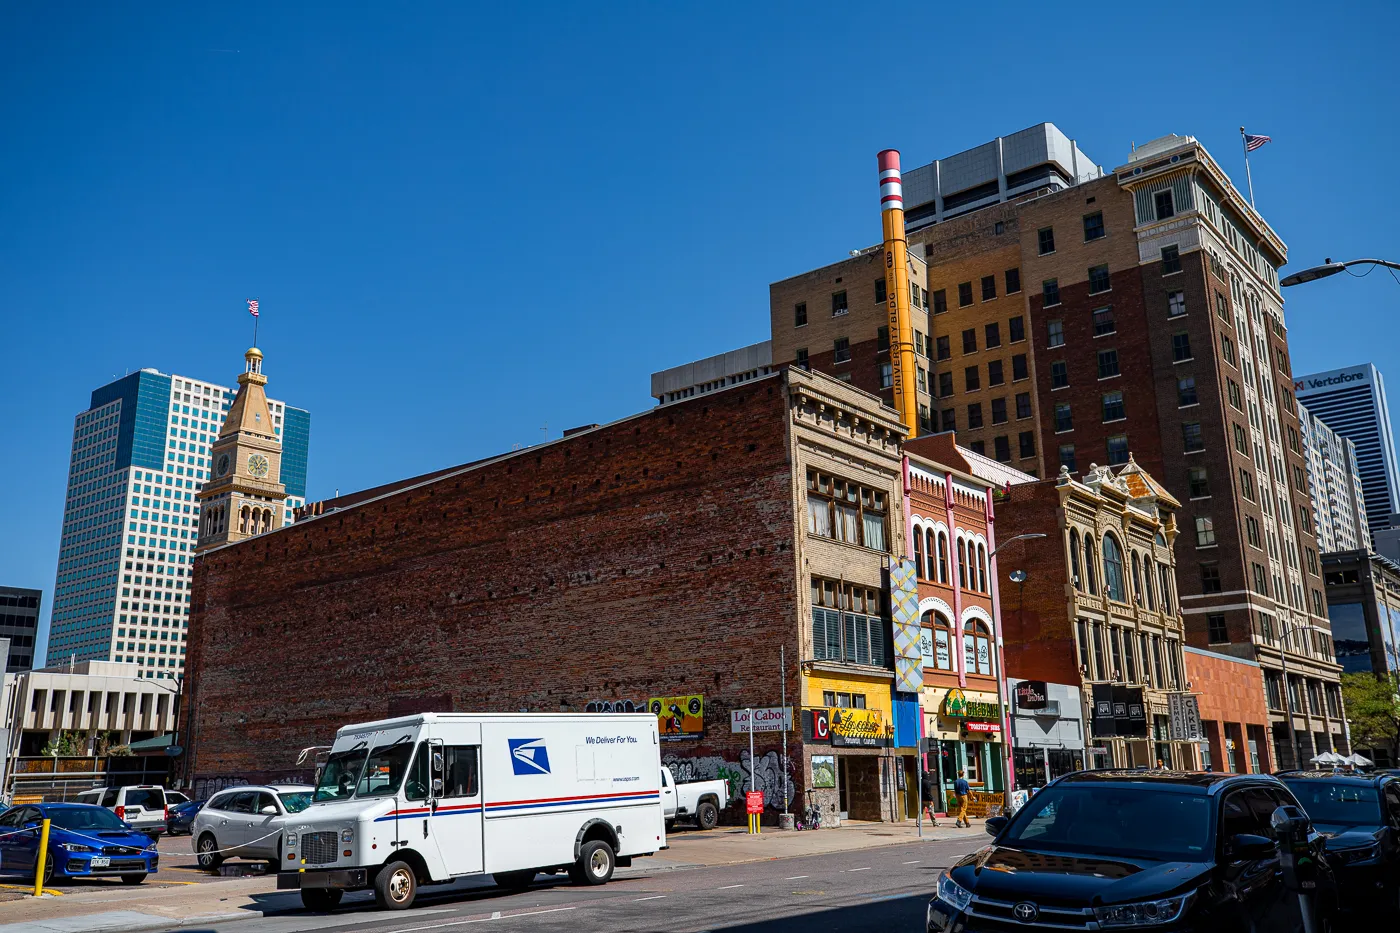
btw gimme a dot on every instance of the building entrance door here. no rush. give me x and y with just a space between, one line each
843 783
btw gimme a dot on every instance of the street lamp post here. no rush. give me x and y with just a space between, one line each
1286 629
1329 267
1010 764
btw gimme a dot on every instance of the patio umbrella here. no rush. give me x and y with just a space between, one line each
1361 761
1328 758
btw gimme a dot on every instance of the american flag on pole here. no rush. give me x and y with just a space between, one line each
253 307
1254 142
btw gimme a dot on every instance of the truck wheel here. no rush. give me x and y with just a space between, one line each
208 852
514 880
396 886
595 864
321 900
707 815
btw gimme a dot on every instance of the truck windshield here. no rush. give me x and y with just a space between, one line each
385 770
341 774
1109 820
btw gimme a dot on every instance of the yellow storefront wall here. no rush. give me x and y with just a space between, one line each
875 689
950 728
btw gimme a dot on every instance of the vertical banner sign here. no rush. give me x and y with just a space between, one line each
1194 733
1105 725
904 603
1122 724
1176 717
1137 714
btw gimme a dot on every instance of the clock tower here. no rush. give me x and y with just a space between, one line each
243 497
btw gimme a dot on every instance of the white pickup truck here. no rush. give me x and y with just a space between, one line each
698 801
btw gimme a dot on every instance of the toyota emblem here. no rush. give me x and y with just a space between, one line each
1026 912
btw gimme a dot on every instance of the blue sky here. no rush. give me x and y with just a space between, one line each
467 222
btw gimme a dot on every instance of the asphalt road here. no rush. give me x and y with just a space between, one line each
884 889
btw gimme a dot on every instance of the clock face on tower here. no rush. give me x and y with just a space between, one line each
258 465
223 465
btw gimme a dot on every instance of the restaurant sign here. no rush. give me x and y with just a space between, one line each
956 705
863 728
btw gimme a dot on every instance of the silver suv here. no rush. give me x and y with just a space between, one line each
142 805
246 822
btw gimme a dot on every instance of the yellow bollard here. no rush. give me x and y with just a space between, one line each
43 857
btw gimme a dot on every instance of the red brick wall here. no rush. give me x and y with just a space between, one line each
1035 615
650 557
1229 690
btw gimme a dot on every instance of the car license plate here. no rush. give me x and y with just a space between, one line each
101 862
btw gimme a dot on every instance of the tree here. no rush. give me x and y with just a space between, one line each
1373 710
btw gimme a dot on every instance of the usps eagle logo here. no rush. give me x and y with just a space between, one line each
528 756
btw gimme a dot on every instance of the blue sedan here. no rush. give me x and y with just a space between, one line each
179 817
85 841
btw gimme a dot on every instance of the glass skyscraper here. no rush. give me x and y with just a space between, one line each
131 520
1352 402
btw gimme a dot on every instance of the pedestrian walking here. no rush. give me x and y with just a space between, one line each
928 786
963 791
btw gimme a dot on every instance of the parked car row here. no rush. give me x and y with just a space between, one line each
1182 851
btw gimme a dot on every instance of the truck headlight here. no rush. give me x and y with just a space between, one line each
1363 854
347 835
291 839
78 847
1142 913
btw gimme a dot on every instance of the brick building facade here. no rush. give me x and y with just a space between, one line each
678 553
952 542
1097 608
1149 304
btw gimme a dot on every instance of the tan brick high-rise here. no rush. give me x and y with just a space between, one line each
1101 313
244 498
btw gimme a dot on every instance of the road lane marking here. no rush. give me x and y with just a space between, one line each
728 886
915 862
495 916
866 868
795 878
652 898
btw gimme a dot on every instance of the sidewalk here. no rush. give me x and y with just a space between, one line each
156 904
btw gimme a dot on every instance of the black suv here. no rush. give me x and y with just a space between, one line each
1359 817
1143 850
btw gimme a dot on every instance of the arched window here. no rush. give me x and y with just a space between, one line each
1091 582
1149 570
1164 577
919 553
942 557
243 515
982 568
977 647
941 633
1113 570
1074 560
1137 579
962 563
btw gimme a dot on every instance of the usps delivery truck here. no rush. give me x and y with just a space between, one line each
431 798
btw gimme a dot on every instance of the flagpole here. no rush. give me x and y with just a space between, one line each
1248 178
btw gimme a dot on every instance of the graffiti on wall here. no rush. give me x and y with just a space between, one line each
767 776
615 706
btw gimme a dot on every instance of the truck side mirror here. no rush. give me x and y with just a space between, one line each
995 824
437 763
437 787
